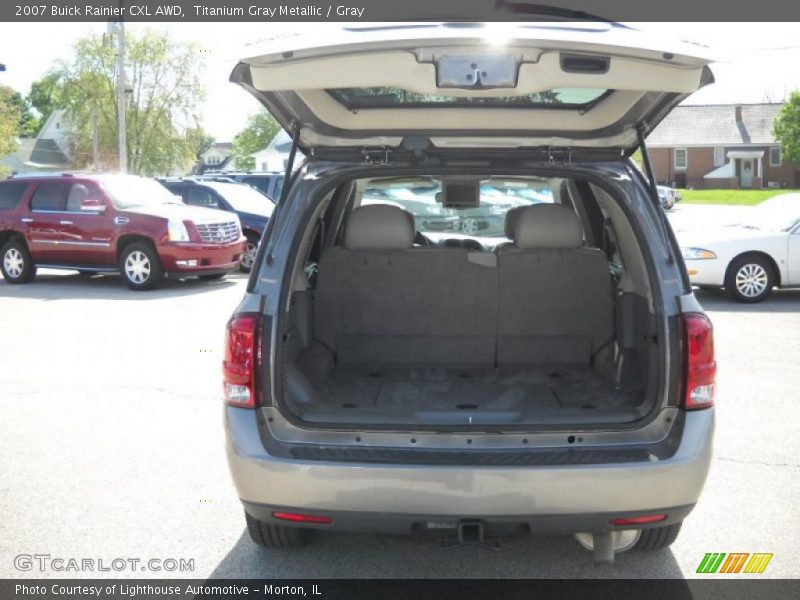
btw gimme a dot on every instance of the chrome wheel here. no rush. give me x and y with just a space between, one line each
249 256
137 266
751 280
469 226
14 262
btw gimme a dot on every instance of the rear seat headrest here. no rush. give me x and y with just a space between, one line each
548 226
512 216
379 227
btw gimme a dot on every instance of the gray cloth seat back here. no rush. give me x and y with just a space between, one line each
555 296
380 301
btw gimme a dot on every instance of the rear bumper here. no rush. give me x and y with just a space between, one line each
460 491
208 258
447 525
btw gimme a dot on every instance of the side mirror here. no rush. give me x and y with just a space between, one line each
92 205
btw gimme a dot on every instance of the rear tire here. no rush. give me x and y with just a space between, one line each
750 279
658 538
16 262
276 537
140 266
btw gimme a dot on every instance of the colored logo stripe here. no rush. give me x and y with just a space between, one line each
713 562
758 563
734 562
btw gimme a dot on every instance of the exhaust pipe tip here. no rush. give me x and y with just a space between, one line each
605 544
603 552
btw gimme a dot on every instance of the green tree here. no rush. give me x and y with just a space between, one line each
260 130
163 98
45 96
787 128
200 141
9 124
28 124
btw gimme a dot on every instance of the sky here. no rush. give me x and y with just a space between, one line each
759 59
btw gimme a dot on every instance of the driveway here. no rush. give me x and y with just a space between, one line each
695 216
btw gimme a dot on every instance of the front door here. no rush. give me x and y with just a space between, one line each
87 234
746 180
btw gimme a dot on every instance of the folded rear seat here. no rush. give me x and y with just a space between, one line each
380 301
555 296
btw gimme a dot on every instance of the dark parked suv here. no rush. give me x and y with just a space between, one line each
111 223
266 182
252 207
554 375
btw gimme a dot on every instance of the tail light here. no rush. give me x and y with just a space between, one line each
242 359
701 368
301 518
642 520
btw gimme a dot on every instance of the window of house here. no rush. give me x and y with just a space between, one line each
680 158
719 157
775 157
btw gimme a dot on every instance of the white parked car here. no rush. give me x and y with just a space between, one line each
751 257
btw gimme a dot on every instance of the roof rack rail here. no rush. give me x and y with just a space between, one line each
41 175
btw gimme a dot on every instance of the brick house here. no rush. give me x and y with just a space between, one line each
723 146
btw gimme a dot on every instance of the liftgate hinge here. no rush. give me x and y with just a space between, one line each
376 155
559 156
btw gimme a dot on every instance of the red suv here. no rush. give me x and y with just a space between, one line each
111 223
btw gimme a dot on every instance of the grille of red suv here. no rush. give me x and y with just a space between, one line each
218 233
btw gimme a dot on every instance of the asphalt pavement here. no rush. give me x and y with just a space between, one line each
111 446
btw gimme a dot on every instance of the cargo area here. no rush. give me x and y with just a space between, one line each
545 326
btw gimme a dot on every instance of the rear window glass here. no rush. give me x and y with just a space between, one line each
10 194
260 183
389 97
48 196
200 196
422 199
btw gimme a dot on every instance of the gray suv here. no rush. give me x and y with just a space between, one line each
553 375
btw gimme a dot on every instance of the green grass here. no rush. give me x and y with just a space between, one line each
738 197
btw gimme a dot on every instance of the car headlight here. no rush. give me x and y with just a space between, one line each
177 231
697 254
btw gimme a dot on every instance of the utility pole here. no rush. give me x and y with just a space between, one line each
122 135
95 141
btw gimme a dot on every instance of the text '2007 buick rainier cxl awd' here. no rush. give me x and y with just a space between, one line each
468 317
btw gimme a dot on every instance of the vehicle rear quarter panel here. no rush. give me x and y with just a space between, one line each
10 223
